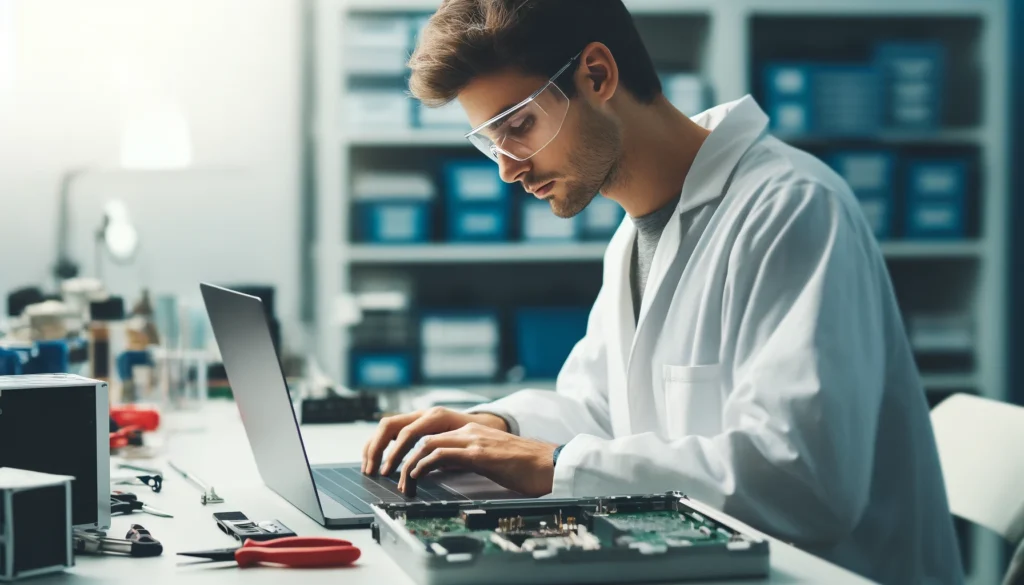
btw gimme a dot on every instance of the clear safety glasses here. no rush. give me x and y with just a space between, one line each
526 128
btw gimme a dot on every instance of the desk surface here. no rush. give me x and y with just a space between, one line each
212 444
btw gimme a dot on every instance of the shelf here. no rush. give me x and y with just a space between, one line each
937 249
399 138
587 252
955 136
941 382
635 6
467 253
930 8
456 137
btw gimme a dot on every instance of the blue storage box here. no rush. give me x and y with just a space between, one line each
847 100
540 224
478 202
475 182
936 199
600 219
478 223
870 176
460 329
394 222
545 336
381 370
823 99
460 346
393 208
913 74
788 97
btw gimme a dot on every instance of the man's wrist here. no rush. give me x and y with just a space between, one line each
555 454
492 420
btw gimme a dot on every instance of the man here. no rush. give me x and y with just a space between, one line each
746 347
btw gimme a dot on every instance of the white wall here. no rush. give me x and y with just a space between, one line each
82 69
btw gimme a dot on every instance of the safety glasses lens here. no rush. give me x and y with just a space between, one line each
524 131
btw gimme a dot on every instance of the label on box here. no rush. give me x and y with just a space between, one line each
478 184
791 118
790 81
480 332
539 223
479 223
460 364
398 222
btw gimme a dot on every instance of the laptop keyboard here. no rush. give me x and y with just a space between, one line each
357 491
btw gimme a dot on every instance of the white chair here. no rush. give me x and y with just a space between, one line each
979 442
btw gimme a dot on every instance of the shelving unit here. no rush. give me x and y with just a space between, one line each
721 44
458 253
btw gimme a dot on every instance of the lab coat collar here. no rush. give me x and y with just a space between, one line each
735 126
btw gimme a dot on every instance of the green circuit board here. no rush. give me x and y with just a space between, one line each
588 540
608 530
665 528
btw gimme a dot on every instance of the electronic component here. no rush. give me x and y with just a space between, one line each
241 528
594 538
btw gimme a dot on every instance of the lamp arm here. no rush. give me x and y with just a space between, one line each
65 267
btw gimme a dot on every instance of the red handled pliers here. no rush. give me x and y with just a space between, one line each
293 551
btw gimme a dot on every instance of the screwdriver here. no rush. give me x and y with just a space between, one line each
124 503
137 543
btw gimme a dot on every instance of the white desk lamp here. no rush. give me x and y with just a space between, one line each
158 140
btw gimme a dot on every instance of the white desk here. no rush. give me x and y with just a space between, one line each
219 453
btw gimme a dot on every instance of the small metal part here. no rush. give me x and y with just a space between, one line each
209 495
438 549
155 512
137 543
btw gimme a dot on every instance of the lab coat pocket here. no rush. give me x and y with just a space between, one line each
692 400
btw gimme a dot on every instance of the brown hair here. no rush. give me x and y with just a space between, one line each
465 39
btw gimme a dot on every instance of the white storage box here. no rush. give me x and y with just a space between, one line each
377 110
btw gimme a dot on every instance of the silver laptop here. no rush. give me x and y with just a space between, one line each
334 495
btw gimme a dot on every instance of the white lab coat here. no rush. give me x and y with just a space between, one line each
769 375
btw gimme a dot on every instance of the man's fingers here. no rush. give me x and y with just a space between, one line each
387 430
366 449
452 439
445 456
428 423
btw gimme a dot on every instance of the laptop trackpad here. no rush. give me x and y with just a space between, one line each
473 486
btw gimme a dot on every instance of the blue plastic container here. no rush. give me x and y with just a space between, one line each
10 363
381 370
394 208
393 222
789 98
600 219
478 202
936 199
847 100
49 357
870 174
545 336
823 99
540 224
913 75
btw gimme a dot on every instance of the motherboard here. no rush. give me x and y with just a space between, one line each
650 524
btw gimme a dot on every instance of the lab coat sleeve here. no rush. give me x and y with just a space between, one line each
580 402
802 330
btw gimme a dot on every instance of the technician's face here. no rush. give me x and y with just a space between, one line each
570 171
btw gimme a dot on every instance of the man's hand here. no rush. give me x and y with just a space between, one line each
406 429
518 464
